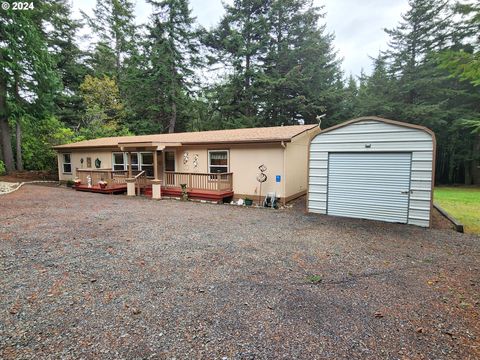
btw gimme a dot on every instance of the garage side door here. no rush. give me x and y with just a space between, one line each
369 185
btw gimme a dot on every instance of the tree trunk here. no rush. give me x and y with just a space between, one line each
173 118
5 136
18 130
468 173
1 150
476 160
173 115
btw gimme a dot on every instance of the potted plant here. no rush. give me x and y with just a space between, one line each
70 183
77 181
103 184
248 201
184 192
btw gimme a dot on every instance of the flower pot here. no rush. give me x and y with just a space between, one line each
102 186
248 202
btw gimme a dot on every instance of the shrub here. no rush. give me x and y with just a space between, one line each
3 171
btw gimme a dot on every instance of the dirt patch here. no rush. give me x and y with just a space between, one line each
440 222
22 176
104 276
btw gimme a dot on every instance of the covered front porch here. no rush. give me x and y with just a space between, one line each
145 169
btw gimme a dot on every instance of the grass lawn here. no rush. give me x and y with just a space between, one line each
463 204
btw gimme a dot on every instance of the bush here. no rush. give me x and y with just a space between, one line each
70 183
3 171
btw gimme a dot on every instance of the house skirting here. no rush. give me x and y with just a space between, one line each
282 200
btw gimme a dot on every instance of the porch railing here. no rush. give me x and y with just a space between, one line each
140 181
112 177
200 181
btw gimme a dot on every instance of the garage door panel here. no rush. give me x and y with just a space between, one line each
369 185
366 199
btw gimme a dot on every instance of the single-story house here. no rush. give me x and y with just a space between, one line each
214 165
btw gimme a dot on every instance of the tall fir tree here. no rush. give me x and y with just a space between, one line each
240 44
113 24
172 55
377 94
301 75
28 82
69 62
425 94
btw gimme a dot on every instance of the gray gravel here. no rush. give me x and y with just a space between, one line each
109 277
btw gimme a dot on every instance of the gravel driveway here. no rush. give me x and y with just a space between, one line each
108 277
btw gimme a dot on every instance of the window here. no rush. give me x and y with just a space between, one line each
67 163
218 161
134 161
140 161
119 162
147 163
169 161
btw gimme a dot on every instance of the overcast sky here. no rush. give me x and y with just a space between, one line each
357 24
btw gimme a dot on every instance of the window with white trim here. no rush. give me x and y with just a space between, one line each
67 163
140 162
119 162
218 161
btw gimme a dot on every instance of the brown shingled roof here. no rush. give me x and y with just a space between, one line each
265 134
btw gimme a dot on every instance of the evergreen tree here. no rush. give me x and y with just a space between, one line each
378 94
423 93
69 62
28 81
172 55
301 75
240 42
113 24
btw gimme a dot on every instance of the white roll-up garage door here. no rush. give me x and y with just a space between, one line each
369 185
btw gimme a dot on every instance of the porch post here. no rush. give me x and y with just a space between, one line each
130 186
156 183
155 164
129 164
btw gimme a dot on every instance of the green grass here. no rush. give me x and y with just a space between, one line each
463 203
314 279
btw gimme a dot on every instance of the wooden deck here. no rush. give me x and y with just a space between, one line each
201 186
111 189
197 194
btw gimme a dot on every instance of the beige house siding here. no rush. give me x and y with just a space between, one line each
200 153
243 163
104 156
289 160
296 164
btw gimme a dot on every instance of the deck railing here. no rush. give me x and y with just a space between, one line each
140 181
199 181
112 177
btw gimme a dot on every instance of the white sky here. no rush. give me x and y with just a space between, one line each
357 24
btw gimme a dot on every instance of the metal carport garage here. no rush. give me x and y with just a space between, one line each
373 168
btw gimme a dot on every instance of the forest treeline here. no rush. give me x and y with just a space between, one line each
266 63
